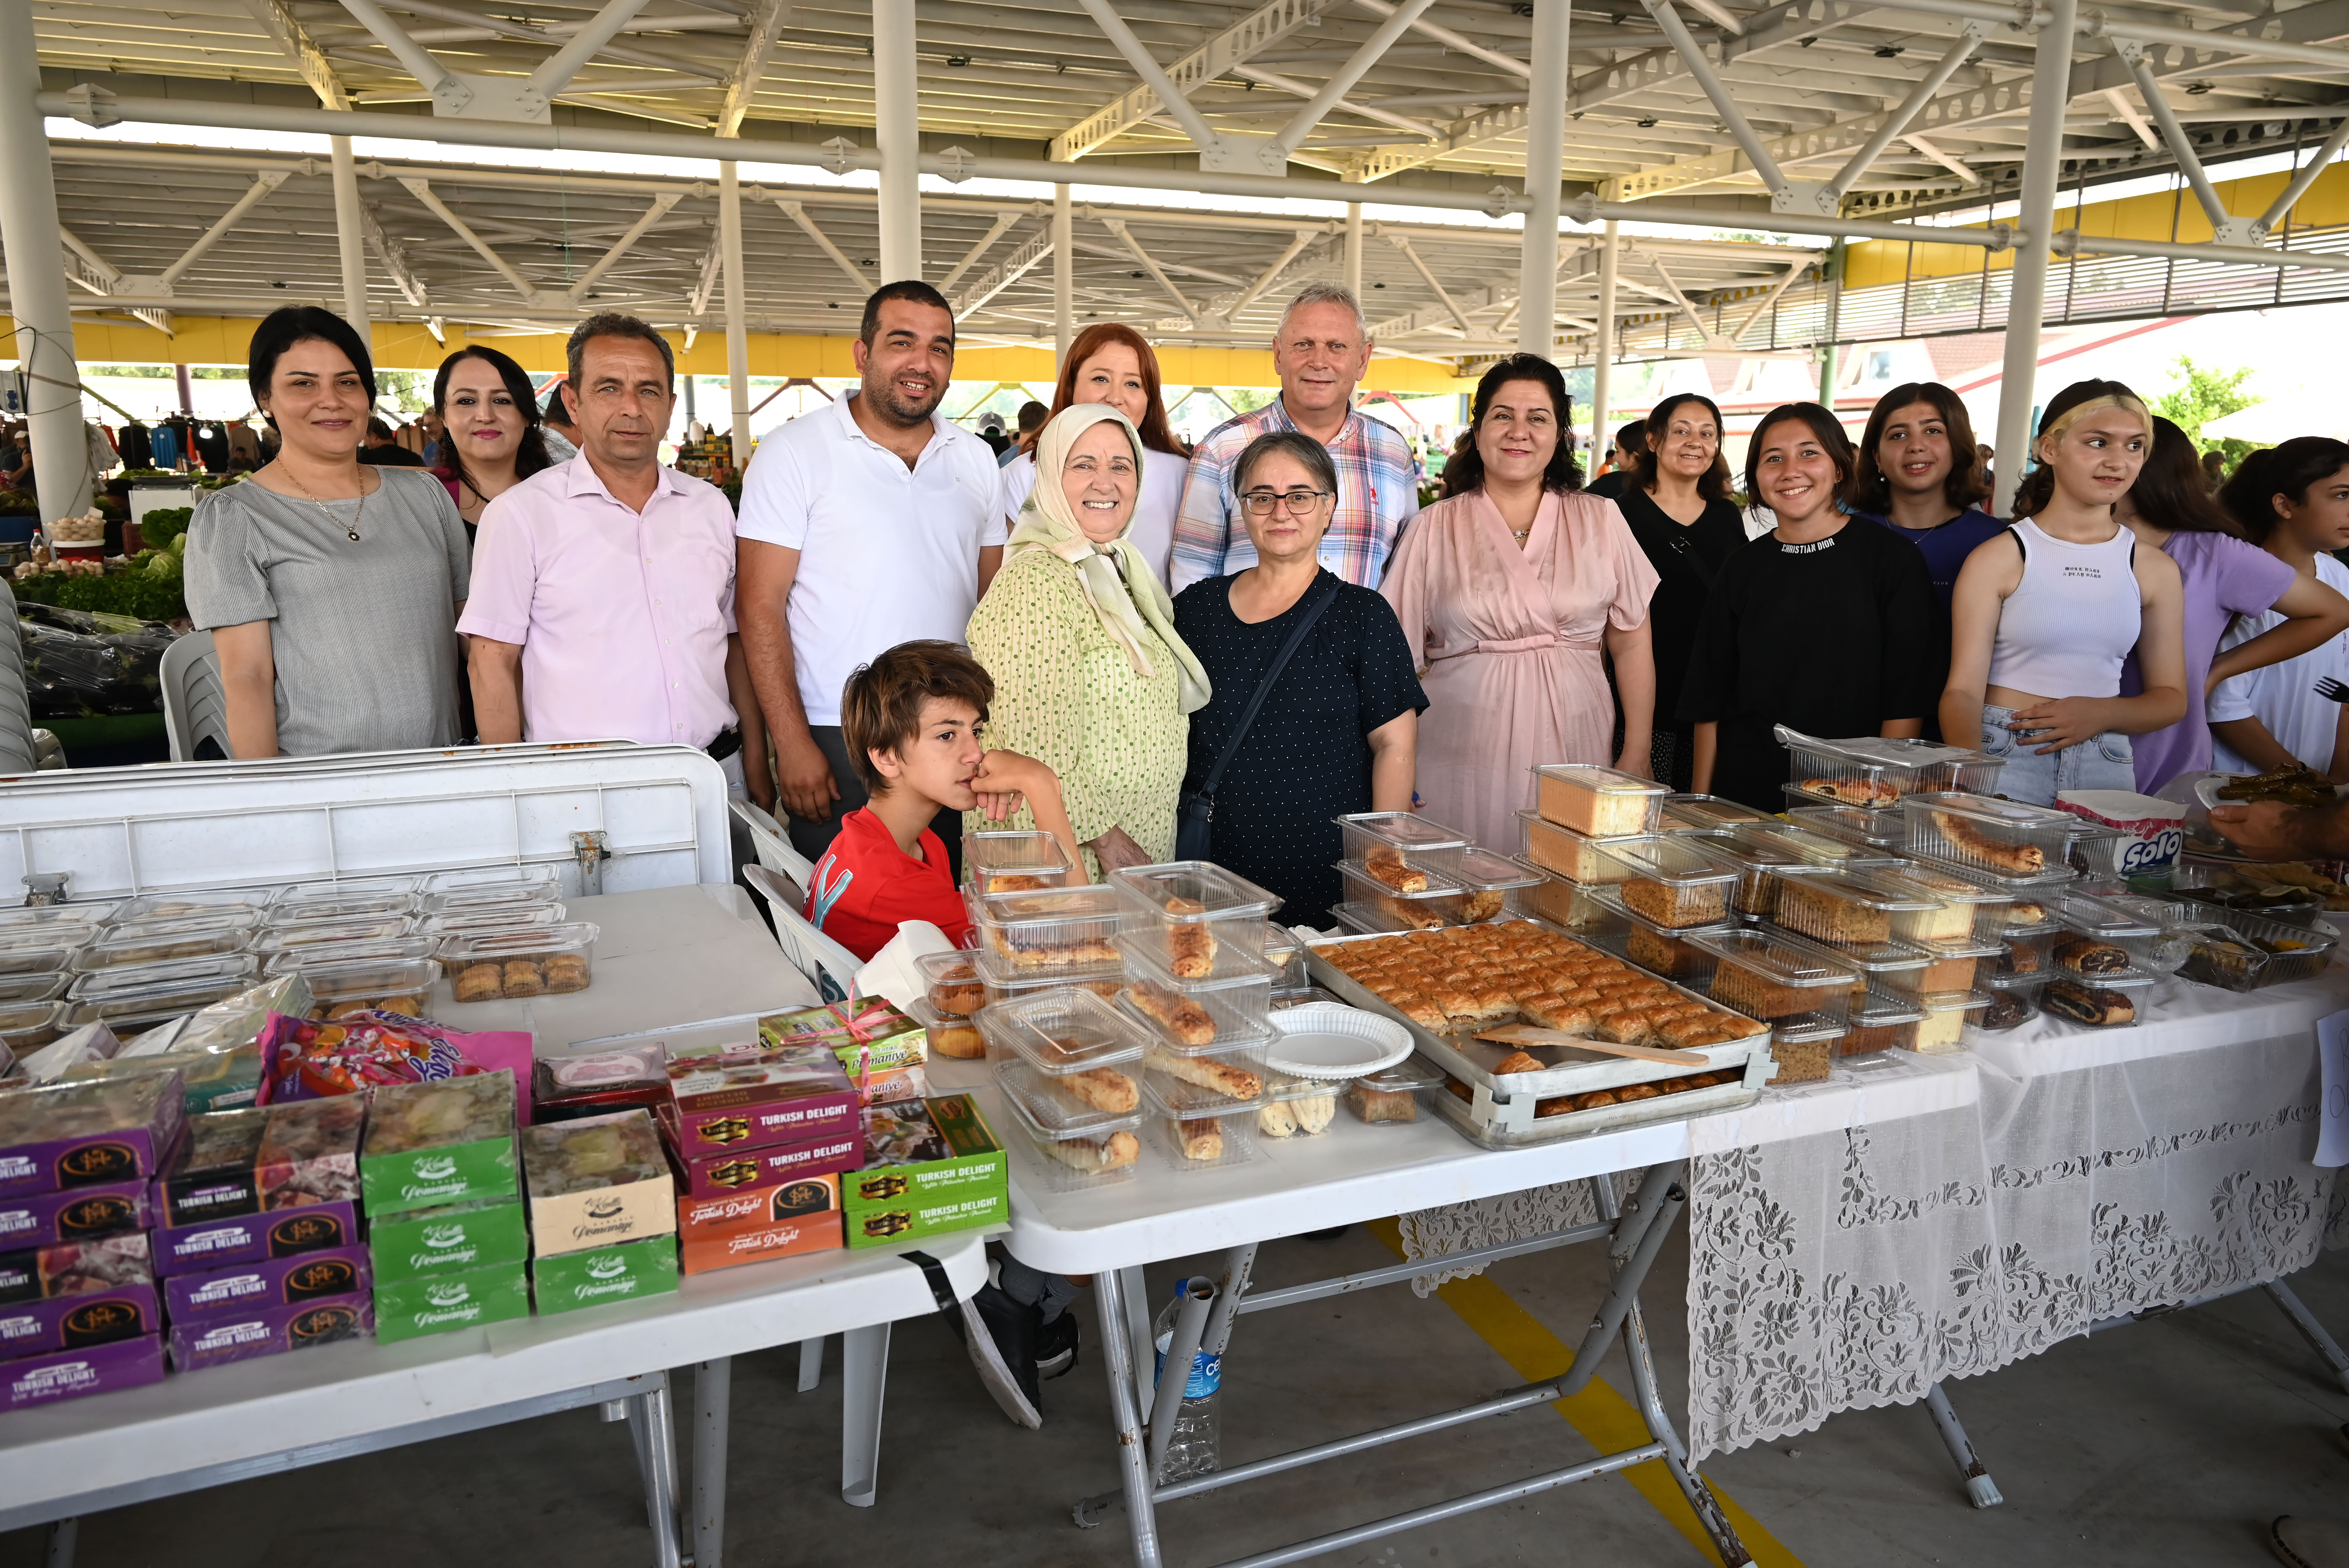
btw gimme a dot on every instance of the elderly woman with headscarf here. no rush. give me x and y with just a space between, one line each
1090 677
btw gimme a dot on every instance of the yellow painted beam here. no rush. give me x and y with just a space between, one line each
407 346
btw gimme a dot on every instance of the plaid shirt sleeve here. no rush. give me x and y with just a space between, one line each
1378 492
1202 528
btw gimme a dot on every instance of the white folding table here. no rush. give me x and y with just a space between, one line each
1357 1173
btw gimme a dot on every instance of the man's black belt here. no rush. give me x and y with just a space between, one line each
728 742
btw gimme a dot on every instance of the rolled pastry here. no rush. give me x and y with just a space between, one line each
1203 1138
1208 1072
1182 1018
1096 1154
1386 865
1102 1088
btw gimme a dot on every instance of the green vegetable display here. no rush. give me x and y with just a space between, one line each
165 523
142 595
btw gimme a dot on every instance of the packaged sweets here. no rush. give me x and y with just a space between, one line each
739 1171
213 1176
87 1135
218 1339
562 1087
785 1238
451 1240
600 1276
251 1237
78 1322
932 1165
867 1032
433 1143
439 1303
263 1159
76 1268
210 1081
597 1182
787 1093
756 1208
305 1061
272 1283
78 1214
70 1373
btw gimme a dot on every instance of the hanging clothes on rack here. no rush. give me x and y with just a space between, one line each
163 444
243 445
211 443
102 457
138 448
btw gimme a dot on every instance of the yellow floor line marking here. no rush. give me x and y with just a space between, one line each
1607 1420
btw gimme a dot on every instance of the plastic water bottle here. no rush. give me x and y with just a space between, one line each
1196 1448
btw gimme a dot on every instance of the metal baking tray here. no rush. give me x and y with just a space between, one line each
1510 1103
1497 1134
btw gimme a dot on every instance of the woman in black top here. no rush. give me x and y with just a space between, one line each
1679 509
1340 730
1825 624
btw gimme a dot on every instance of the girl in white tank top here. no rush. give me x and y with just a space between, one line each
2045 613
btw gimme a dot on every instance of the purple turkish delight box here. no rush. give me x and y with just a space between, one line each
70 1373
76 1268
215 1340
78 1322
53 1218
272 1282
251 1237
99 1132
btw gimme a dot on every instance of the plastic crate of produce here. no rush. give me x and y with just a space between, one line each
1671 881
1597 803
1013 861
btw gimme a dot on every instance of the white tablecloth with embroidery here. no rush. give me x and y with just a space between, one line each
2097 1173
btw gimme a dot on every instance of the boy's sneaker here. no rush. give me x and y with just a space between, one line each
1056 1347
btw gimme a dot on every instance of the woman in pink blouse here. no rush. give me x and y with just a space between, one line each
1509 590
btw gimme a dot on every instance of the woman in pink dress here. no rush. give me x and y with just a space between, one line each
1509 590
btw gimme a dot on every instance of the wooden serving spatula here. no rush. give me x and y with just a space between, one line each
1526 1035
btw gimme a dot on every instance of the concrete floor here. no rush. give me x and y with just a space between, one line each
2171 1442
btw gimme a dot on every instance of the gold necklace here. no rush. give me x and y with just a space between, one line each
351 527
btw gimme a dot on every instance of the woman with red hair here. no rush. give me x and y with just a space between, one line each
1111 363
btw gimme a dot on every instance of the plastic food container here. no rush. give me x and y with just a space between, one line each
2227 890
1850 825
17 964
1193 914
329 889
1285 955
133 1009
1671 881
1393 1095
1223 1013
1063 931
245 921
186 906
1061 1031
348 909
2099 938
1400 839
1597 803
486 896
1804 1050
1636 940
1779 980
2246 953
1881 1023
1296 1108
391 950
1945 966
1847 911
403 987
1946 1013
1961 909
1568 854
22 990
2013 1002
536 961
493 918
1005 983
1941 766
230 970
1704 812
2020 953
21 921
284 939
26 1027
1759 867
1073 1157
2007 839
1839 773
2106 1001
950 983
115 951
1556 898
548 877
2181 924
1023 860
1197 1128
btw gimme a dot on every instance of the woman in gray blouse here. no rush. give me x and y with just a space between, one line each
331 588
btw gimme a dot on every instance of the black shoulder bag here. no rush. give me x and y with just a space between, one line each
1195 814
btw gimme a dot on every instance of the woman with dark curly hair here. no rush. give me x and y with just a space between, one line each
1508 589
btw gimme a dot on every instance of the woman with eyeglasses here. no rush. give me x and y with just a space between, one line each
1286 745
1511 591
1678 508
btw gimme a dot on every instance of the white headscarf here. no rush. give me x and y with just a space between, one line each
1117 582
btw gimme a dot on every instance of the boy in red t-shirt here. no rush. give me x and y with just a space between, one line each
913 720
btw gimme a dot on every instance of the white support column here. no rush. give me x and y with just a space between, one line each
1602 343
1545 167
1064 273
2043 157
738 335
350 236
1829 366
1354 249
897 126
37 275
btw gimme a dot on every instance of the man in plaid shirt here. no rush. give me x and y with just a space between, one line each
1320 351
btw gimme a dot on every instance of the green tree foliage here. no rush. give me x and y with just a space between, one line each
2202 394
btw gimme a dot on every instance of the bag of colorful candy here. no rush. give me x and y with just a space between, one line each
306 1061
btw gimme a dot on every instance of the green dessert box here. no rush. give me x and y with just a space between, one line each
627 1272
452 1240
931 1167
852 1029
444 1141
441 1304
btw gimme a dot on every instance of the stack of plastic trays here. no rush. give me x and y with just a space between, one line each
1068 1066
1048 939
1804 993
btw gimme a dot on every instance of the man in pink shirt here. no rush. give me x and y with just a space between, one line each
603 593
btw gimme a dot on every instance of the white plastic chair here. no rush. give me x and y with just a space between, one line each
774 848
18 753
195 705
830 967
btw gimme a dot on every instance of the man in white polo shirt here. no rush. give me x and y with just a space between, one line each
863 524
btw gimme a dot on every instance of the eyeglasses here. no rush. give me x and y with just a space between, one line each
1300 503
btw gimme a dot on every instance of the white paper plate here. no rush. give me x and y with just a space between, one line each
1332 1040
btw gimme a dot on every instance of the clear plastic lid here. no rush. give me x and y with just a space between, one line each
1611 898
952 968
487 895
282 939
1871 958
1849 824
181 906
27 1025
1482 871
526 942
137 950
1599 779
328 892
1185 1101
228 971
137 1007
19 919
493 918
1864 892
1183 890
1783 961
1052 1112
1822 848
2096 918
22 990
1040 911
1708 811
1942 887
16 962
1013 853
1676 861
353 906
2023 886
479 876
1060 1031
1404 830
392 950
216 921
341 981
1233 967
